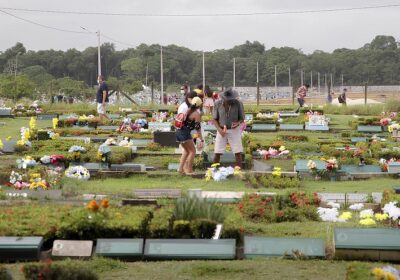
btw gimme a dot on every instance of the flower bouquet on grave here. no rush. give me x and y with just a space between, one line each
312 168
103 153
222 173
17 181
37 182
1 146
77 172
25 162
75 152
385 121
331 167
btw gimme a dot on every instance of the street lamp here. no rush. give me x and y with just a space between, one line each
98 49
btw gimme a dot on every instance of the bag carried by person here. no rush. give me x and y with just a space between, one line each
340 99
180 120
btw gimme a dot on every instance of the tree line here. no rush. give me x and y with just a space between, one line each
73 72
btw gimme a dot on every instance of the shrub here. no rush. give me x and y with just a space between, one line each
182 229
294 138
120 154
50 271
153 147
203 228
161 224
4 274
192 208
269 181
233 226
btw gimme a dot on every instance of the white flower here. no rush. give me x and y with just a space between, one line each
392 210
333 205
367 213
356 207
328 214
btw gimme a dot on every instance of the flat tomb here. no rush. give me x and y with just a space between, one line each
13 248
369 128
222 249
274 247
257 127
291 126
157 193
126 248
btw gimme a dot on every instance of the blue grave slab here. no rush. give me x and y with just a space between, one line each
369 128
301 165
288 114
394 167
317 127
5 112
222 249
277 247
158 126
9 146
122 248
358 139
173 166
46 117
351 168
291 126
13 248
367 238
260 127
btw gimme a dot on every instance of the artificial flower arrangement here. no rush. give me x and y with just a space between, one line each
1 145
26 162
128 126
53 159
37 182
277 172
125 143
53 135
25 137
385 121
393 127
264 116
312 167
32 123
159 117
76 152
273 153
222 173
17 181
331 165
385 163
55 123
77 172
386 273
103 152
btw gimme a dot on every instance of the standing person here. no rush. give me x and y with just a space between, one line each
209 101
191 107
102 98
301 94
184 91
342 97
228 113
329 98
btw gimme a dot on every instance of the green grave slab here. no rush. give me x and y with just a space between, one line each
351 168
114 116
291 126
358 139
259 127
173 166
367 238
46 117
226 159
277 247
394 167
221 249
107 127
317 127
301 165
124 248
209 128
288 114
13 248
369 128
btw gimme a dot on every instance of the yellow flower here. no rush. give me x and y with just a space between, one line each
215 165
32 123
93 206
381 217
35 175
367 222
55 123
237 171
1 145
9 138
282 148
277 172
208 174
378 272
345 216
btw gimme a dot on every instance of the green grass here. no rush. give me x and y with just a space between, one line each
12 126
260 268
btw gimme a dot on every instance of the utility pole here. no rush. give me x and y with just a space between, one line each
234 72
258 87
311 82
204 74
147 72
319 83
290 78
301 77
98 54
161 77
276 82
342 82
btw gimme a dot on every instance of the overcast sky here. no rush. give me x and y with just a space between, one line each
308 32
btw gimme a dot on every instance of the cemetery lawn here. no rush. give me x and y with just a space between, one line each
12 126
125 186
259 268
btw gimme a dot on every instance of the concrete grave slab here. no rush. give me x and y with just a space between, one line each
367 238
124 248
369 128
41 194
16 248
394 167
46 117
8 146
356 197
130 167
82 138
358 139
107 127
157 193
173 166
72 248
317 127
141 142
277 247
351 168
261 166
301 165
334 197
190 249
291 126
5 112
288 114
137 202
258 127
157 126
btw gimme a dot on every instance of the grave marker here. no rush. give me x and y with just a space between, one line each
107 127
157 193
46 117
130 167
9 146
369 128
260 127
284 126
41 194
72 248
394 167
158 126
165 138
5 112
13 248
124 248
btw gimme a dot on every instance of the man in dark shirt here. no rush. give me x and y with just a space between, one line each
102 98
228 113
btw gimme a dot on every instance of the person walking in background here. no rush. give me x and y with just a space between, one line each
342 97
208 100
227 115
102 98
192 119
330 97
301 94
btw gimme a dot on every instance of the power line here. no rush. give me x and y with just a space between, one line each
42 25
204 15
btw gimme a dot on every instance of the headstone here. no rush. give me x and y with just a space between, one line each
334 197
141 142
223 249
173 166
356 197
165 138
8 146
210 128
84 139
130 167
137 202
377 196
317 127
72 248
394 167
259 127
5 112
114 116
107 127
46 117
316 120
122 248
158 126
221 195
288 114
301 165
358 139
284 126
350 168
41 194
277 247
262 167
157 193
369 128
13 248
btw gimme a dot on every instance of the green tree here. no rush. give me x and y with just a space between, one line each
16 87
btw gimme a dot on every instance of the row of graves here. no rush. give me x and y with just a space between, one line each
142 227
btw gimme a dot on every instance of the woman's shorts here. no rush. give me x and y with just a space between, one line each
183 135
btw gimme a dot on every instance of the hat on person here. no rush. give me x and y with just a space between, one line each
229 94
196 101
198 91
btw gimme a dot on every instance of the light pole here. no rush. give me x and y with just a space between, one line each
98 49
